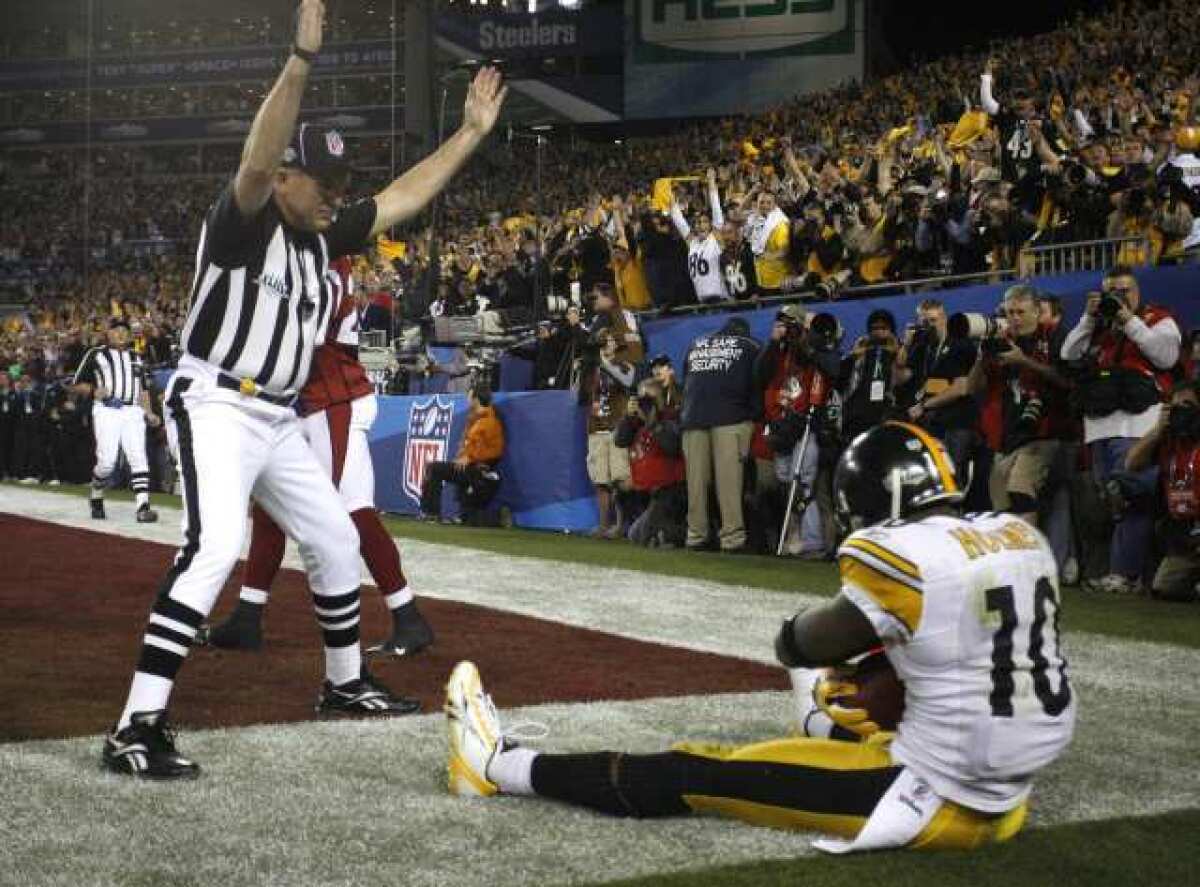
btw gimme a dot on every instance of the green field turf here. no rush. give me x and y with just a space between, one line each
1131 850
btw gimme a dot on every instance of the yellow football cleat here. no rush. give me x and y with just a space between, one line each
473 731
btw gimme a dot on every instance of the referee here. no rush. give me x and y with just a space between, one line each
115 378
261 301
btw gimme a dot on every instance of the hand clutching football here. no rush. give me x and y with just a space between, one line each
864 698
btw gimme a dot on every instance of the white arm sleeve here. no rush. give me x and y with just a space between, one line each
1082 127
1160 342
714 200
1076 343
985 95
681 224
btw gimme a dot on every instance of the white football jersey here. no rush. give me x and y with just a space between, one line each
704 268
968 611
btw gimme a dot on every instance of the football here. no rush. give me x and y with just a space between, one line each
880 691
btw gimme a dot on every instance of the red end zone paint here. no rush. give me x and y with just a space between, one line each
74 605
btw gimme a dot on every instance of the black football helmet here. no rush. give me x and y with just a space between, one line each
892 471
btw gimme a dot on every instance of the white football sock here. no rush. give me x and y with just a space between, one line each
149 692
398 599
343 664
252 595
512 770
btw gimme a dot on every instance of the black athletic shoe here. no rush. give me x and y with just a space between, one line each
410 634
146 749
232 634
97 508
366 696
146 514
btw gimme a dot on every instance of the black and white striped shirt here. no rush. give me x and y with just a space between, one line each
261 300
119 371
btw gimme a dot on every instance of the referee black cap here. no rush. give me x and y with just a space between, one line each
118 322
319 151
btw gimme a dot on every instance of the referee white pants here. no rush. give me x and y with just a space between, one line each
228 448
116 429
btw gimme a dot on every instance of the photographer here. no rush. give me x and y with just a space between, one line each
650 431
793 388
1130 351
933 368
1174 444
605 382
868 373
1019 367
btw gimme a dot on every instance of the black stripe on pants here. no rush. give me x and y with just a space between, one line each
155 660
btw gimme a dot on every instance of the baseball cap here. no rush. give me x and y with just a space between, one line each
660 360
118 321
319 151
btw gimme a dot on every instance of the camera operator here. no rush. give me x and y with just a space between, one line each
1130 352
792 388
650 431
868 373
1020 367
719 408
945 233
555 347
933 368
1174 444
605 382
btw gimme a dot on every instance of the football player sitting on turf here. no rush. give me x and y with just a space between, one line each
966 610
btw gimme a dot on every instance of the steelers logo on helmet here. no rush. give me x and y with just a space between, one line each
892 471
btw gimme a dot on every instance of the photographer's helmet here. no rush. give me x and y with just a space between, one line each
892 471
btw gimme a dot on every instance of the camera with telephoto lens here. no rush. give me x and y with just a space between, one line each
988 331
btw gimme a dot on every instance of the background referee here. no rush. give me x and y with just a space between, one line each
115 377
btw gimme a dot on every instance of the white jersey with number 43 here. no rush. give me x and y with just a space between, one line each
967 608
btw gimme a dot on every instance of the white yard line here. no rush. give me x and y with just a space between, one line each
335 803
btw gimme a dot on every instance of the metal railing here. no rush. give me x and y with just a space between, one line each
1058 258
1084 255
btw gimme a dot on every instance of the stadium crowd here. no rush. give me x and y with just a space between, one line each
951 168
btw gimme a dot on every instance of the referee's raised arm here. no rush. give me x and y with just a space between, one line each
408 195
276 119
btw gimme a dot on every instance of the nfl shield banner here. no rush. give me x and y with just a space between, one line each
429 424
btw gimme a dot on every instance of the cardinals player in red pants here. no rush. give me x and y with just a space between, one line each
338 404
